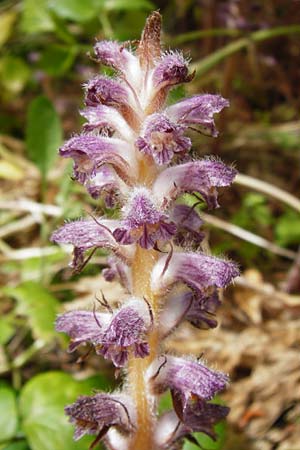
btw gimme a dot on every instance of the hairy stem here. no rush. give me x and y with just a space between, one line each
144 401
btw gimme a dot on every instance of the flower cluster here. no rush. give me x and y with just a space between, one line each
134 155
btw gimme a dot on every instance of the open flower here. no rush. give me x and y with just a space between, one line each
143 222
202 176
186 378
112 334
161 138
89 234
198 110
96 414
196 270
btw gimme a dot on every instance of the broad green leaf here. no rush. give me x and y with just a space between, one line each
43 133
112 5
36 303
7 20
14 74
42 403
77 10
8 416
56 60
36 17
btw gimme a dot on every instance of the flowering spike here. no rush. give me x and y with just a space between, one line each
134 154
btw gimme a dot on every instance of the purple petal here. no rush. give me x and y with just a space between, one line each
106 184
143 222
86 234
126 330
188 224
187 378
82 327
171 69
197 270
105 117
161 138
198 110
117 270
91 152
105 91
200 176
96 414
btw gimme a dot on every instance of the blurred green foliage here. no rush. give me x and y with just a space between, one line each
43 62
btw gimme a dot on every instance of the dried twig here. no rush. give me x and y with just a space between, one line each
248 236
269 189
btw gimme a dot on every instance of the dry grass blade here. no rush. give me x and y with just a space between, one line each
248 236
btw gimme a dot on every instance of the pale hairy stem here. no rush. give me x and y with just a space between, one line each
141 269
145 404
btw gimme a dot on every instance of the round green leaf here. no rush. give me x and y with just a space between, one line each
42 403
8 416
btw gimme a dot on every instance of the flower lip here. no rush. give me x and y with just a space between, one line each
106 91
198 176
96 414
196 270
112 335
198 110
91 152
143 222
171 69
187 378
162 138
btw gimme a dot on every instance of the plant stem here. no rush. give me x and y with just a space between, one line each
144 402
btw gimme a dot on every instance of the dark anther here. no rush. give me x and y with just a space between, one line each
168 260
160 367
150 311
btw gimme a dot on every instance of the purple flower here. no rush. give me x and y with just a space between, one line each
199 416
103 117
198 308
197 270
112 335
105 183
89 234
198 110
117 270
186 379
142 222
171 69
96 414
91 152
161 138
188 224
102 90
201 176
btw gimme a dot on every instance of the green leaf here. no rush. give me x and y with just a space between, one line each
42 403
43 133
7 20
8 416
35 302
36 17
77 10
112 5
287 229
14 74
56 60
